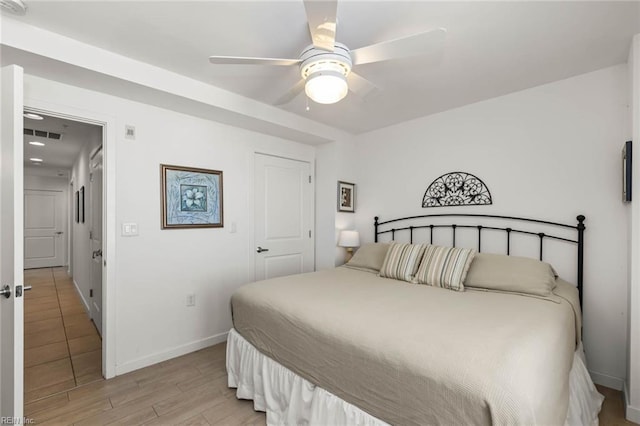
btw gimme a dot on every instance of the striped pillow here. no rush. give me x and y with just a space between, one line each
401 261
444 267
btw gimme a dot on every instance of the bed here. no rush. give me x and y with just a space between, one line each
347 346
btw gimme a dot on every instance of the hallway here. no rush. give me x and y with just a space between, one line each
62 348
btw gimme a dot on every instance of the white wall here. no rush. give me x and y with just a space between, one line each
81 246
549 152
632 383
155 271
334 162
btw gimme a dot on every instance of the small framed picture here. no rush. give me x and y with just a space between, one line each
626 172
77 206
82 204
346 197
191 198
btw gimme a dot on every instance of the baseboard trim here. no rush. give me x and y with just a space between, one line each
84 301
605 380
630 412
171 353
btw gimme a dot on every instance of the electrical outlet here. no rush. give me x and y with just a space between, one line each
191 299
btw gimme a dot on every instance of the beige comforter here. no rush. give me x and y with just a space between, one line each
413 354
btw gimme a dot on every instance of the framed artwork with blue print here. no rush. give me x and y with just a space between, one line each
191 197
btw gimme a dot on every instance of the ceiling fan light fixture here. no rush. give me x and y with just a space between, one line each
17 7
326 87
32 116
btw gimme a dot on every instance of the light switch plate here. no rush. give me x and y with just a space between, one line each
129 229
129 132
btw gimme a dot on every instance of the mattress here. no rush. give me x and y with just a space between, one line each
415 354
288 399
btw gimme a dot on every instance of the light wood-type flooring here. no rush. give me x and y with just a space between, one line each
62 348
189 390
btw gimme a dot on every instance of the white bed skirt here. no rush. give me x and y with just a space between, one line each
288 399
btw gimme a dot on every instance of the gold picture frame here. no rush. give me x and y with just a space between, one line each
191 197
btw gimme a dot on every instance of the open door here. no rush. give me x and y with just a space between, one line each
95 192
11 246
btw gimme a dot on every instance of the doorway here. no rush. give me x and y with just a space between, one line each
62 340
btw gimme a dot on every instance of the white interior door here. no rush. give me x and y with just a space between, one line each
11 250
283 217
44 219
95 205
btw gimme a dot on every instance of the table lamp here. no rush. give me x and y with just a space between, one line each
349 240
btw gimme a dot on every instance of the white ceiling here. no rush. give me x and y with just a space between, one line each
492 48
57 154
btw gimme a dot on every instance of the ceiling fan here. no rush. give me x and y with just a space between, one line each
326 65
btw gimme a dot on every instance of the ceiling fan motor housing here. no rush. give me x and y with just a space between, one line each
316 60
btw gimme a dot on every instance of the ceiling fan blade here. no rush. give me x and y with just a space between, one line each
415 45
240 60
322 22
291 94
360 85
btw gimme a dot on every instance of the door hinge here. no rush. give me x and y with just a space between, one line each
90 177
309 233
91 235
309 178
90 292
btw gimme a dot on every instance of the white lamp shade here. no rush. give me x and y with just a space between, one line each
326 87
349 239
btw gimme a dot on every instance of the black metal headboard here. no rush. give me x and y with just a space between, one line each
508 230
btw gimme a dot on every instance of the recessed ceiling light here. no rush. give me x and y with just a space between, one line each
36 160
32 115
16 7
36 143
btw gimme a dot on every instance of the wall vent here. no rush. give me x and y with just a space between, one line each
43 134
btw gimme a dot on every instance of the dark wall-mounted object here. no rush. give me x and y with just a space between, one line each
626 171
457 189
77 206
82 204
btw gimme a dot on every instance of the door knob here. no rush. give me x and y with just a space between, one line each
5 291
96 253
59 233
260 249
